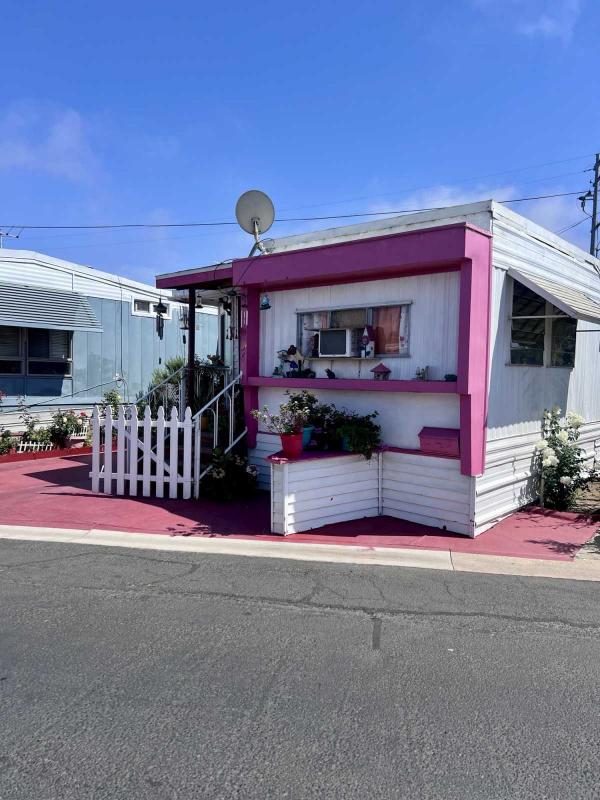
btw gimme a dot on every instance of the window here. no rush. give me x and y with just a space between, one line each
390 325
141 306
147 308
48 352
11 351
541 334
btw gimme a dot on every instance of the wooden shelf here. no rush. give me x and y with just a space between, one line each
355 384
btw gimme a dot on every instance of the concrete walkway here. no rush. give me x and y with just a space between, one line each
582 569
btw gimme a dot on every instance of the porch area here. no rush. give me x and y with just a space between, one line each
56 493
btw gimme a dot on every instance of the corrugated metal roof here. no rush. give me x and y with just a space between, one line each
36 307
571 301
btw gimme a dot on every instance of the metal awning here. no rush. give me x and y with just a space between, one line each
571 301
38 307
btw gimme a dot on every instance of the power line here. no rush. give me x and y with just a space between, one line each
454 182
573 225
154 225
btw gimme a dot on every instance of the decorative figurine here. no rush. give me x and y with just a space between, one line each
367 342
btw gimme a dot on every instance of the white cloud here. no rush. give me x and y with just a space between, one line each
447 195
39 138
549 19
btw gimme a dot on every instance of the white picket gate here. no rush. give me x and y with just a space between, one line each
129 454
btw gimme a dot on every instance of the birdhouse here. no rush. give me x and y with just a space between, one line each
367 342
381 372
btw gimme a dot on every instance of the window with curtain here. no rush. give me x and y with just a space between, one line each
48 352
390 325
11 353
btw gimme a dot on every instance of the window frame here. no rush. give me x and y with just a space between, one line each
153 303
21 356
405 305
548 318
37 359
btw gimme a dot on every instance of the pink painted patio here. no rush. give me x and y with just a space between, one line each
56 493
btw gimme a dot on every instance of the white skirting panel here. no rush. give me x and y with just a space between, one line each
507 483
428 490
266 445
309 494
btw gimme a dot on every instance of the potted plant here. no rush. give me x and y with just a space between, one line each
305 401
289 424
360 434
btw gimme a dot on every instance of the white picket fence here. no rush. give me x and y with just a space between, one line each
34 447
130 455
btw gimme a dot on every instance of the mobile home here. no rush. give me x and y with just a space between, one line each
482 318
69 333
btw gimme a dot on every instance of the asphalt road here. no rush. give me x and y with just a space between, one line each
139 674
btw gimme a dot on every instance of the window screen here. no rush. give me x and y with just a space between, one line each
562 353
10 350
48 352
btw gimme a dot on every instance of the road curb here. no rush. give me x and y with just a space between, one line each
420 558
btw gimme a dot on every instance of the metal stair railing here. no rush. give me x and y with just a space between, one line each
229 393
166 393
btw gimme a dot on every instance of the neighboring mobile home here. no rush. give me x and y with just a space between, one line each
67 331
482 317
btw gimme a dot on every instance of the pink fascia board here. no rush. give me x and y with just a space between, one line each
203 278
428 250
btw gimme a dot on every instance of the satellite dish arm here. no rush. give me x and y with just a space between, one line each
258 245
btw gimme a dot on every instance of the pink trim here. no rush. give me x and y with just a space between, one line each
473 351
429 250
389 449
357 384
206 278
308 455
250 357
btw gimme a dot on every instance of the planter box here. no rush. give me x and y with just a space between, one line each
322 488
440 441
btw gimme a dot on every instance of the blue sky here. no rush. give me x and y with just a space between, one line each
165 112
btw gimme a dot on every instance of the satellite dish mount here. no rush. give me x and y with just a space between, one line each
255 214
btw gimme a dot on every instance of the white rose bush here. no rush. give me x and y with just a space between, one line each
559 461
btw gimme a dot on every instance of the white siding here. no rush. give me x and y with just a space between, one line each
310 494
507 483
519 394
430 491
432 297
401 414
266 445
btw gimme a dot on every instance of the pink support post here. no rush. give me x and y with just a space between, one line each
249 356
473 351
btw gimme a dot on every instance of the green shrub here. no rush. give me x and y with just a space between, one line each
7 442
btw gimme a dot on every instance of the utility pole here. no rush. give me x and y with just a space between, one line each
8 235
595 223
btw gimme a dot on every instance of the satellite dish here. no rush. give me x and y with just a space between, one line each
255 214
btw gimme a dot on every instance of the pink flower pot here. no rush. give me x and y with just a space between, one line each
291 444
